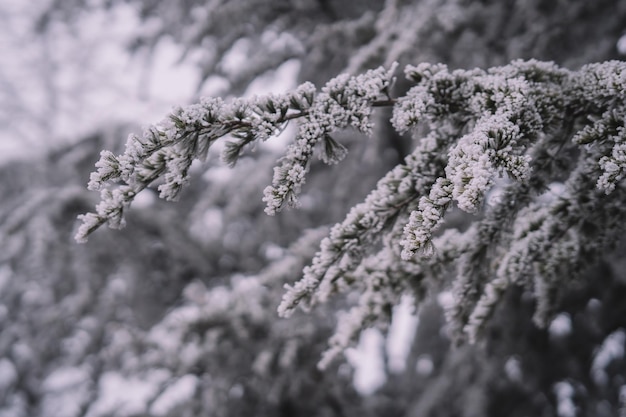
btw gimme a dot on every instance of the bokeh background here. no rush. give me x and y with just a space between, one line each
175 315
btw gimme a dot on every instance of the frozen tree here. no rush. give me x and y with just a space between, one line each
488 197
531 150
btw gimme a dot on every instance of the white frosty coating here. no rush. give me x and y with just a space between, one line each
480 126
167 149
342 250
372 303
427 218
181 391
344 101
612 348
480 155
613 167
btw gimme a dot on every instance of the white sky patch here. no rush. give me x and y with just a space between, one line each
236 57
76 80
367 360
214 86
281 80
170 80
401 335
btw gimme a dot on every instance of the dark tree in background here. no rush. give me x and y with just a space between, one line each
176 314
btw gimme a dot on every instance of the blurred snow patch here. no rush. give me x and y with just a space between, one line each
401 335
622 401
8 374
565 404
5 276
121 396
621 45
280 80
236 57
445 300
144 199
179 392
213 221
612 348
424 365
513 369
561 325
170 80
218 174
66 390
367 360
555 189
272 251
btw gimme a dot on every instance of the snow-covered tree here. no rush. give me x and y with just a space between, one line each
488 199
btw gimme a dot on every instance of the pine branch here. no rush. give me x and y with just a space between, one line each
516 130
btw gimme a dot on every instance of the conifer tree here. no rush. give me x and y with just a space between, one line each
490 198
546 141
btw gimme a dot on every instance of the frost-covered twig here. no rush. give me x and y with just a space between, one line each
520 130
166 150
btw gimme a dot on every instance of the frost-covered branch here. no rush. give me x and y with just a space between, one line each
165 151
531 153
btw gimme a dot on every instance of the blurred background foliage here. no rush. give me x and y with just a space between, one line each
175 315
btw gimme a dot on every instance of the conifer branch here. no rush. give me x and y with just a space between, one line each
516 130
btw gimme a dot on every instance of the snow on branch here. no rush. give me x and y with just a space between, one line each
549 141
166 150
